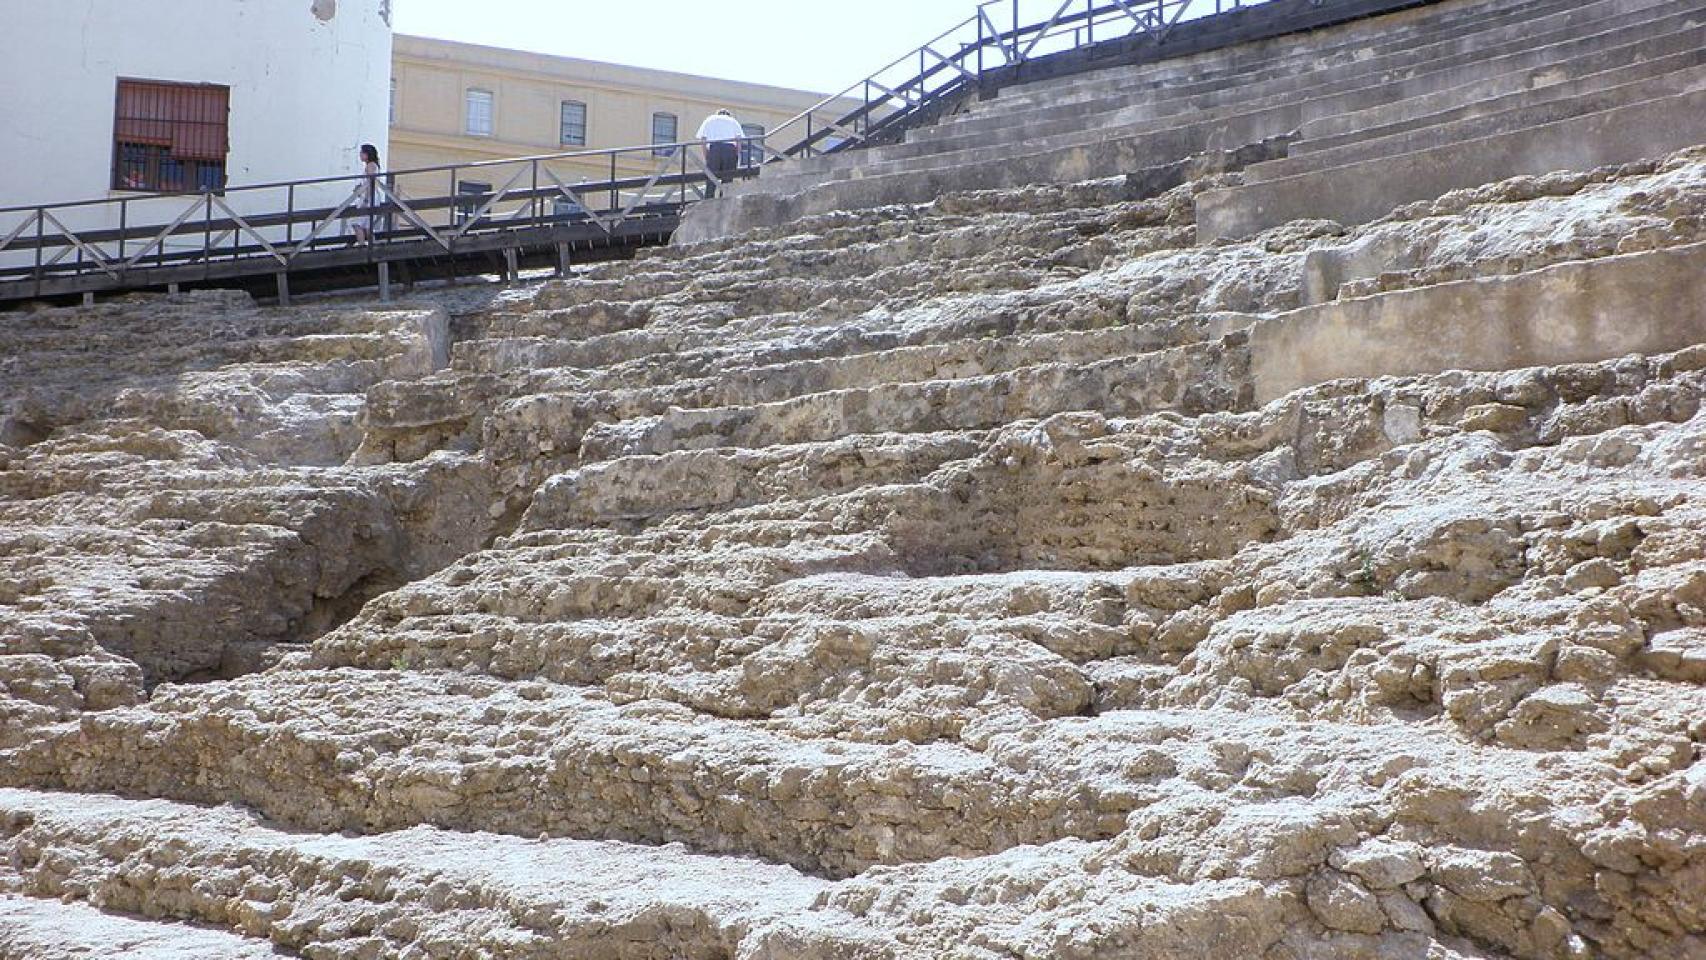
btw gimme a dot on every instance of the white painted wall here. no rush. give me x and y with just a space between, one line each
309 79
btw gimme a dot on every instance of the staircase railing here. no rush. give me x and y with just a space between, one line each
1000 35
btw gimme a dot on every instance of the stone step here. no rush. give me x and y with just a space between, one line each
1189 379
32 929
1362 192
337 895
920 179
1049 224
1551 105
1622 64
1349 42
1412 62
378 752
739 214
1443 43
1290 102
1638 303
1288 112
552 421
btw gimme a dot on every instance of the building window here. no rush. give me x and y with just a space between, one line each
393 99
170 137
752 151
573 133
664 129
479 113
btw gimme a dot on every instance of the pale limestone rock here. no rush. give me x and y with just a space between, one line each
911 584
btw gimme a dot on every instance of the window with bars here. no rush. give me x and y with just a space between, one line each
752 151
479 113
170 137
665 127
573 132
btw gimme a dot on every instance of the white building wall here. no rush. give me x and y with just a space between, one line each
309 79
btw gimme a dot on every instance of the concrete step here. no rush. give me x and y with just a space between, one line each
1128 120
1359 40
1549 105
1622 64
1420 69
1445 39
1578 312
1288 109
1361 192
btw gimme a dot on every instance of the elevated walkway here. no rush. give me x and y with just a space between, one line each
436 222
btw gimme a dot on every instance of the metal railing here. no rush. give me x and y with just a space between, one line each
443 207
1002 34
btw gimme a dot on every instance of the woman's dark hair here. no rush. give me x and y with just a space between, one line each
369 150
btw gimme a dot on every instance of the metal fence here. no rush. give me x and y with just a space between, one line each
442 208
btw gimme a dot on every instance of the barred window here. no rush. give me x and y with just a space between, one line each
170 137
665 130
479 113
573 132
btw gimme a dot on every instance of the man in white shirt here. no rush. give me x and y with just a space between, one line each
721 133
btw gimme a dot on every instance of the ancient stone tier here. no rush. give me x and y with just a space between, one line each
1004 570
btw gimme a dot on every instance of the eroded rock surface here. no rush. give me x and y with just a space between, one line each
917 583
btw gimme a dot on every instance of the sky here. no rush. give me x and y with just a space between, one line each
817 45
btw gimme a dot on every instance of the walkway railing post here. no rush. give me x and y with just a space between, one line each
290 215
207 234
40 239
123 223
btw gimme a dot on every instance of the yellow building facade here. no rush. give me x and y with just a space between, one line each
457 103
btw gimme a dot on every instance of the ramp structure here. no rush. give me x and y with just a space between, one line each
1245 505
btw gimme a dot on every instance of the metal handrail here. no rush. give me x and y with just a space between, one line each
244 222
1015 42
144 196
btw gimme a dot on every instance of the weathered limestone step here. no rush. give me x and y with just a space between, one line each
1552 105
559 417
49 930
876 680
1361 192
786 198
738 214
1644 303
1190 379
376 752
642 490
413 890
178 579
887 253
